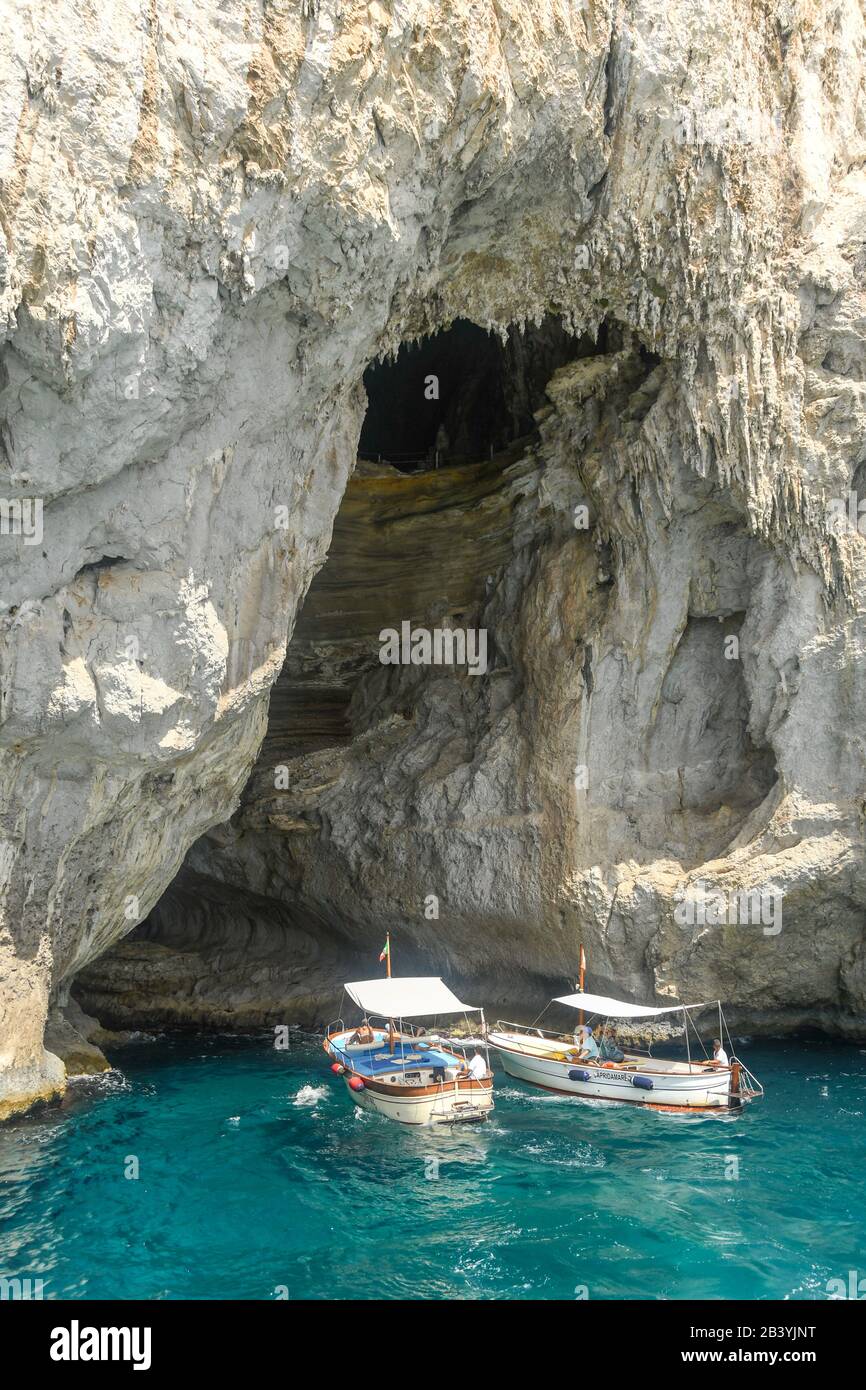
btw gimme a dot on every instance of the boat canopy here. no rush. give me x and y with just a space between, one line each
406 997
617 1008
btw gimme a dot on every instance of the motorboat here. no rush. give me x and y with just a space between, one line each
589 1064
391 1064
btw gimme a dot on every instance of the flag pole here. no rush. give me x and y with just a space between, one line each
582 971
388 945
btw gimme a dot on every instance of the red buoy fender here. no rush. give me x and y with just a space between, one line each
356 1084
337 1068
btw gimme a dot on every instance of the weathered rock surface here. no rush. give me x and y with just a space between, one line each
212 221
616 753
70 1035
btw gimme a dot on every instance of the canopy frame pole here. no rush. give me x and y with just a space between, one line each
535 1021
687 1012
688 1049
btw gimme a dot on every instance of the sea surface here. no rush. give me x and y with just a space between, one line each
258 1179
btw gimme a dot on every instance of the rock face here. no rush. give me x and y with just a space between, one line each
619 752
211 224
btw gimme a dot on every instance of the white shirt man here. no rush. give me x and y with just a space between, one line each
478 1066
720 1056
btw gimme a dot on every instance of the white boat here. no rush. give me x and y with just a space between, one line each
558 1061
394 1067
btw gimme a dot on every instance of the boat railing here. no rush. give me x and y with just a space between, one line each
384 1025
337 1025
750 1086
503 1026
533 1031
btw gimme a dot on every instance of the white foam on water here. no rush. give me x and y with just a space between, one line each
310 1095
108 1081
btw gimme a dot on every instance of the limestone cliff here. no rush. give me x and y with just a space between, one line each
612 755
213 219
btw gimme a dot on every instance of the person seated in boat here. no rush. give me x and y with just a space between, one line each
477 1067
363 1035
585 1042
720 1056
608 1050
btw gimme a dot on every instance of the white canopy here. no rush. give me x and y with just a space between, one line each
406 997
616 1008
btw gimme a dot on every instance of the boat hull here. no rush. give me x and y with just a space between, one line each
452 1103
698 1090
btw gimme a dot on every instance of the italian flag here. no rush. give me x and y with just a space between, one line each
386 951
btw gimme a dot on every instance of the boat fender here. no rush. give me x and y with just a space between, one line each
644 1083
579 1074
356 1084
337 1068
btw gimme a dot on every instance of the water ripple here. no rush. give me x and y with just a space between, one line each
219 1168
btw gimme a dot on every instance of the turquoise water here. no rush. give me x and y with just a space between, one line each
257 1176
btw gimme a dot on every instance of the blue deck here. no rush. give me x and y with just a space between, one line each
377 1058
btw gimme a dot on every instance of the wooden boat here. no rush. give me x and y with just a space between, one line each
559 1061
392 1066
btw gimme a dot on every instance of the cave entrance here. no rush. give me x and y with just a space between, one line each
239 928
462 395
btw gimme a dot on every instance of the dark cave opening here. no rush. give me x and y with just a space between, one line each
462 395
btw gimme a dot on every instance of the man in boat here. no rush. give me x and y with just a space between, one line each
363 1035
477 1068
720 1056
